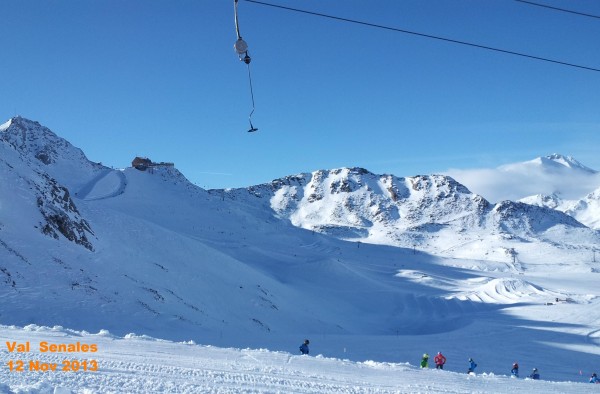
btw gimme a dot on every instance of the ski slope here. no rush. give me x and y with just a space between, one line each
140 364
181 264
107 184
169 260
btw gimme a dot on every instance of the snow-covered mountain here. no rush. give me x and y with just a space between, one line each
34 201
41 149
433 213
555 181
585 210
551 163
556 174
144 250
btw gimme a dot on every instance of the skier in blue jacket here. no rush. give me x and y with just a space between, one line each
535 375
594 378
304 347
472 366
515 370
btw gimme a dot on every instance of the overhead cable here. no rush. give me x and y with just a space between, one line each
558 9
426 35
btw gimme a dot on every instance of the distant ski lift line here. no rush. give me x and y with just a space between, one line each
558 9
426 35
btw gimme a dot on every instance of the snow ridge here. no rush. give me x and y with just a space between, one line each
585 210
355 204
568 162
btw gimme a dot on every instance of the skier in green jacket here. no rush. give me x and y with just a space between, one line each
425 361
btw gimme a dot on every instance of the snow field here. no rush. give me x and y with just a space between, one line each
134 364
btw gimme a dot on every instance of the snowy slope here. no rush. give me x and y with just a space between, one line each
149 252
139 364
586 210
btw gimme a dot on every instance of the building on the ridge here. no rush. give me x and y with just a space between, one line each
143 163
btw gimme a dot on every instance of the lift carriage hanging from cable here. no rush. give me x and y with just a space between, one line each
241 48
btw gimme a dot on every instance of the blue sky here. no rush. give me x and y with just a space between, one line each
160 79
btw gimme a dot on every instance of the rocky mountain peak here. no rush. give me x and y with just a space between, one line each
42 148
30 138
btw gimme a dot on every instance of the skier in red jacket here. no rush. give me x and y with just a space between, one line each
439 360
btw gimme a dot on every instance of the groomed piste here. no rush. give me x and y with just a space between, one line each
141 364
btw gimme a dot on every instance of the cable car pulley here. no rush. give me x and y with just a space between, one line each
241 48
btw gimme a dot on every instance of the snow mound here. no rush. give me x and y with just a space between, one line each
435 281
506 291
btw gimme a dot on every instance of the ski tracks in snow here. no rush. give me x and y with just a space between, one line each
594 337
136 364
144 373
108 183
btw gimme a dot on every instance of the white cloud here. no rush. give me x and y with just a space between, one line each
515 181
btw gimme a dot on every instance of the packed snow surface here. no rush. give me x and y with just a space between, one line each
141 364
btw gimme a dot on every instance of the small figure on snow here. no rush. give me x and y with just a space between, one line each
439 360
472 366
304 347
535 375
594 378
425 361
515 370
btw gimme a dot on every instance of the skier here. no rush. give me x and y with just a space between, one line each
515 370
594 378
425 361
439 360
535 375
472 366
304 347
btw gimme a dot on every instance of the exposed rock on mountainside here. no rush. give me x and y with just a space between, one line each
353 203
31 139
61 214
41 154
40 148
